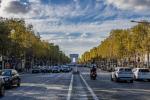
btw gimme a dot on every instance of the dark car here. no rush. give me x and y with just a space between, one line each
49 69
43 69
36 70
66 69
11 77
2 89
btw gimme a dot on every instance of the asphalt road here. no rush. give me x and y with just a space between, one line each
41 87
105 89
68 86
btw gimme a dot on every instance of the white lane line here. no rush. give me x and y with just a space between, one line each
70 88
89 88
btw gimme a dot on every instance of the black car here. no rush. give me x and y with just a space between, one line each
43 70
2 89
49 69
11 77
36 70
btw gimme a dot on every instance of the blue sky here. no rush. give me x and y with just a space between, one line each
76 25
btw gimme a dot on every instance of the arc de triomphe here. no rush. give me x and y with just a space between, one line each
74 58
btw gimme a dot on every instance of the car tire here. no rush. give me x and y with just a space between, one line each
131 81
116 79
18 84
135 78
112 79
2 91
10 85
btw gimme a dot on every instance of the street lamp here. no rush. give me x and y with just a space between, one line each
148 23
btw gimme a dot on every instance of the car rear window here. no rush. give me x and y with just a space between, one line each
56 67
6 73
144 70
125 69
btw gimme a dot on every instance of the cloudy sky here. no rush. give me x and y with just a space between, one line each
76 25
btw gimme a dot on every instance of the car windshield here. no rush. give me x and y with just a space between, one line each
125 69
144 70
6 73
65 66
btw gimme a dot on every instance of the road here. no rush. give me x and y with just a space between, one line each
105 89
68 86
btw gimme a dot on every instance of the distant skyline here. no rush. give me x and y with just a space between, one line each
76 25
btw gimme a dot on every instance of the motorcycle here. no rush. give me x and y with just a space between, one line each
93 75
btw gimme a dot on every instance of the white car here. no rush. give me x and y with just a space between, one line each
141 74
55 69
65 68
122 74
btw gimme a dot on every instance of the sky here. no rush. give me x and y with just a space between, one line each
76 25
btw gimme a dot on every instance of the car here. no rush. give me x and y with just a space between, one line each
43 69
36 70
66 68
61 68
122 74
141 74
55 69
50 69
11 77
2 88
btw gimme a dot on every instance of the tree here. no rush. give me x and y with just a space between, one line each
20 41
122 45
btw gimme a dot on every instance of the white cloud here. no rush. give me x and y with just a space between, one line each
131 4
52 20
53 26
82 43
78 45
40 10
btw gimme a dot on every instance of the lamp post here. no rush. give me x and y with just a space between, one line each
146 23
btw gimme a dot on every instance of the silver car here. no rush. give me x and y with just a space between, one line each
122 74
141 74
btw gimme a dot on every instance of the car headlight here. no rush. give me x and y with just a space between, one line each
6 79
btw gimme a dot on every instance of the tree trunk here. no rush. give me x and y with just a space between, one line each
148 59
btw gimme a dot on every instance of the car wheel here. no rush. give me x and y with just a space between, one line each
2 91
112 79
18 83
116 79
131 81
10 85
135 78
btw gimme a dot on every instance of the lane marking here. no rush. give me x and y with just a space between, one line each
89 88
70 88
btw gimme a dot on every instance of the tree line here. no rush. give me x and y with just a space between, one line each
18 41
123 45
